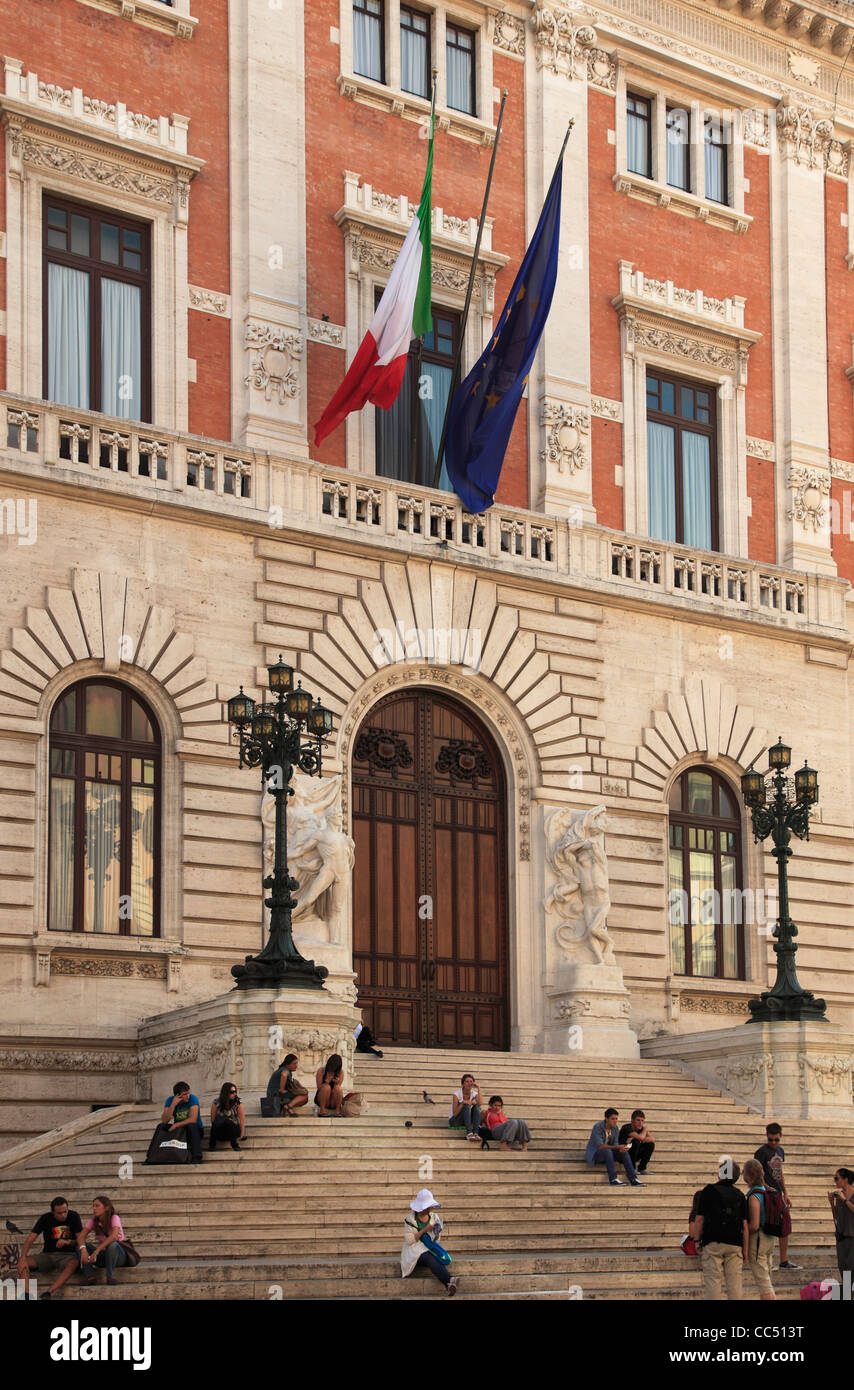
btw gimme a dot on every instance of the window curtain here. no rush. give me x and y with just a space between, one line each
677 914
637 148
413 62
394 426
459 75
121 349
61 910
101 869
433 414
367 45
67 335
142 860
702 869
661 485
696 490
394 432
715 168
677 149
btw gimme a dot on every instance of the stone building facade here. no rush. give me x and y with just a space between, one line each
565 651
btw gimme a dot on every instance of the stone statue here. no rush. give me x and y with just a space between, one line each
575 848
320 855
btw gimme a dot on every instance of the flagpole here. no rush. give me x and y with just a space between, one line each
415 414
437 473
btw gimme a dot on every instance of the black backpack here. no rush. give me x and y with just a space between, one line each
724 1219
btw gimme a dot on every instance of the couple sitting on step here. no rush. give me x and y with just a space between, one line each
466 1114
632 1145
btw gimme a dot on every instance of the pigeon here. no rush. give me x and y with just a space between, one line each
428 1099
407 1124
13 1229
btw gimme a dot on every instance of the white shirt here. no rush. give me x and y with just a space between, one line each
472 1100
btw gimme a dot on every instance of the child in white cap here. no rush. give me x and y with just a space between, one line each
420 1241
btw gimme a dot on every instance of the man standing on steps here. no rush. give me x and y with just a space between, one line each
604 1146
638 1140
722 1233
772 1157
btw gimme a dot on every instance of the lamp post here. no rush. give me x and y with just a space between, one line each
780 816
277 738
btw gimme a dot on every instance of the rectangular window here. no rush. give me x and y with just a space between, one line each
415 52
408 435
639 135
678 148
97 291
369 39
460 69
681 462
716 140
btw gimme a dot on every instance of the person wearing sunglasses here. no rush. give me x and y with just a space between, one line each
772 1156
228 1121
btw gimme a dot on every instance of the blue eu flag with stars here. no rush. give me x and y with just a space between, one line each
484 406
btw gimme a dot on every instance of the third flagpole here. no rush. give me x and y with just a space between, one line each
458 354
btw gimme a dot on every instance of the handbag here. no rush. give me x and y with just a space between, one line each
352 1107
436 1249
132 1254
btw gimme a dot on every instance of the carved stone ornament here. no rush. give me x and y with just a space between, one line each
222 1053
567 429
463 761
30 1059
714 1004
760 449
320 855
118 175
802 67
833 1074
508 33
210 301
601 69
810 486
802 136
330 334
560 42
580 898
275 354
109 967
741 1074
686 345
168 1054
382 750
605 409
570 1009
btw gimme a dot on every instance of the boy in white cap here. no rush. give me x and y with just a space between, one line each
420 1236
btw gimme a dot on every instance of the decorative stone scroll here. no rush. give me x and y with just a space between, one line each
274 358
567 429
561 43
508 33
810 487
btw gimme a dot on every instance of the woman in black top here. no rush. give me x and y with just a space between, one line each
329 1096
228 1120
842 1206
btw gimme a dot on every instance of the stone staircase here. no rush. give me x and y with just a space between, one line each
313 1208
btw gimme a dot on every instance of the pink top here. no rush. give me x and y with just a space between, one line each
493 1119
115 1225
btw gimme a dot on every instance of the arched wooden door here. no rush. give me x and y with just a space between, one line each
430 877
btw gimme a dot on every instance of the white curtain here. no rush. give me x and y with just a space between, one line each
637 145
67 335
715 163
702 869
121 349
677 149
696 490
661 481
61 910
413 62
367 44
729 918
142 860
394 426
459 75
102 870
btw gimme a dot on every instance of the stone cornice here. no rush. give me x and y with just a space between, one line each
64 131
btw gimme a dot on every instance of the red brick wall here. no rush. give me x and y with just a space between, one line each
390 154
840 320
667 246
74 45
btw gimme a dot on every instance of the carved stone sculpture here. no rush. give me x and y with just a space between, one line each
580 898
320 855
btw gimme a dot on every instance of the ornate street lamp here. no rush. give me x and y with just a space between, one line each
277 738
775 813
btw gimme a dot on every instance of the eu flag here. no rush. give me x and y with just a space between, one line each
484 406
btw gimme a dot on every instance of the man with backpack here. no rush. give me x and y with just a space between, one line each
764 1221
772 1157
721 1227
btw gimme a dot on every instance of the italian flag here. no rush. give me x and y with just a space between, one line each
376 372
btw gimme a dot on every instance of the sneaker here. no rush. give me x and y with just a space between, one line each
789 1264
235 1146
473 1136
616 1182
636 1182
452 1288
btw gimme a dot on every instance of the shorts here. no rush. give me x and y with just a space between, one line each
49 1260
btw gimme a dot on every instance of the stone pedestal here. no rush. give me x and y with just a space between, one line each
589 1012
784 1071
242 1036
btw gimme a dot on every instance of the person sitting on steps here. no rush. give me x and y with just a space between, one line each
59 1229
465 1107
100 1242
228 1120
604 1146
507 1131
638 1141
329 1096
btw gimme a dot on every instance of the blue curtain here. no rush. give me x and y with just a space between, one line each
661 487
696 490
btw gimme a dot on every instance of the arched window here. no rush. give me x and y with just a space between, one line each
705 877
104 829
